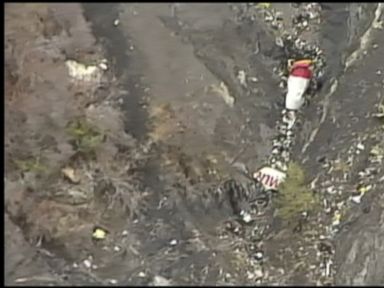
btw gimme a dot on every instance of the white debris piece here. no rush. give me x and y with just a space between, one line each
378 25
336 218
258 273
242 77
328 265
116 248
279 42
103 66
259 255
116 22
173 242
82 72
142 274
357 199
160 281
247 218
360 146
87 263
331 190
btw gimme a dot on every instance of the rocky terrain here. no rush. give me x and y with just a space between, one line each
123 122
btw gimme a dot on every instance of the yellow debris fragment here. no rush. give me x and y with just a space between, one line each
365 189
336 218
303 61
264 5
99 234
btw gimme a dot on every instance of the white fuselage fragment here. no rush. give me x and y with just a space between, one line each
297 87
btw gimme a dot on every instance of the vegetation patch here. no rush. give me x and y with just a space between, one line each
295 197
85 137
31 164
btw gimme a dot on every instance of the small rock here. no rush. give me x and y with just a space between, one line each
116 22
222 90
112 281
70 174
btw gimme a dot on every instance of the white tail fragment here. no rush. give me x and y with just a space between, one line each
270 178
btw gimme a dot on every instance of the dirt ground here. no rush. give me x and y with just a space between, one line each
164 125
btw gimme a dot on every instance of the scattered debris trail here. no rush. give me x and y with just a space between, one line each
329 189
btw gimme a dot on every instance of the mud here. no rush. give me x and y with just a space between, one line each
177 124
